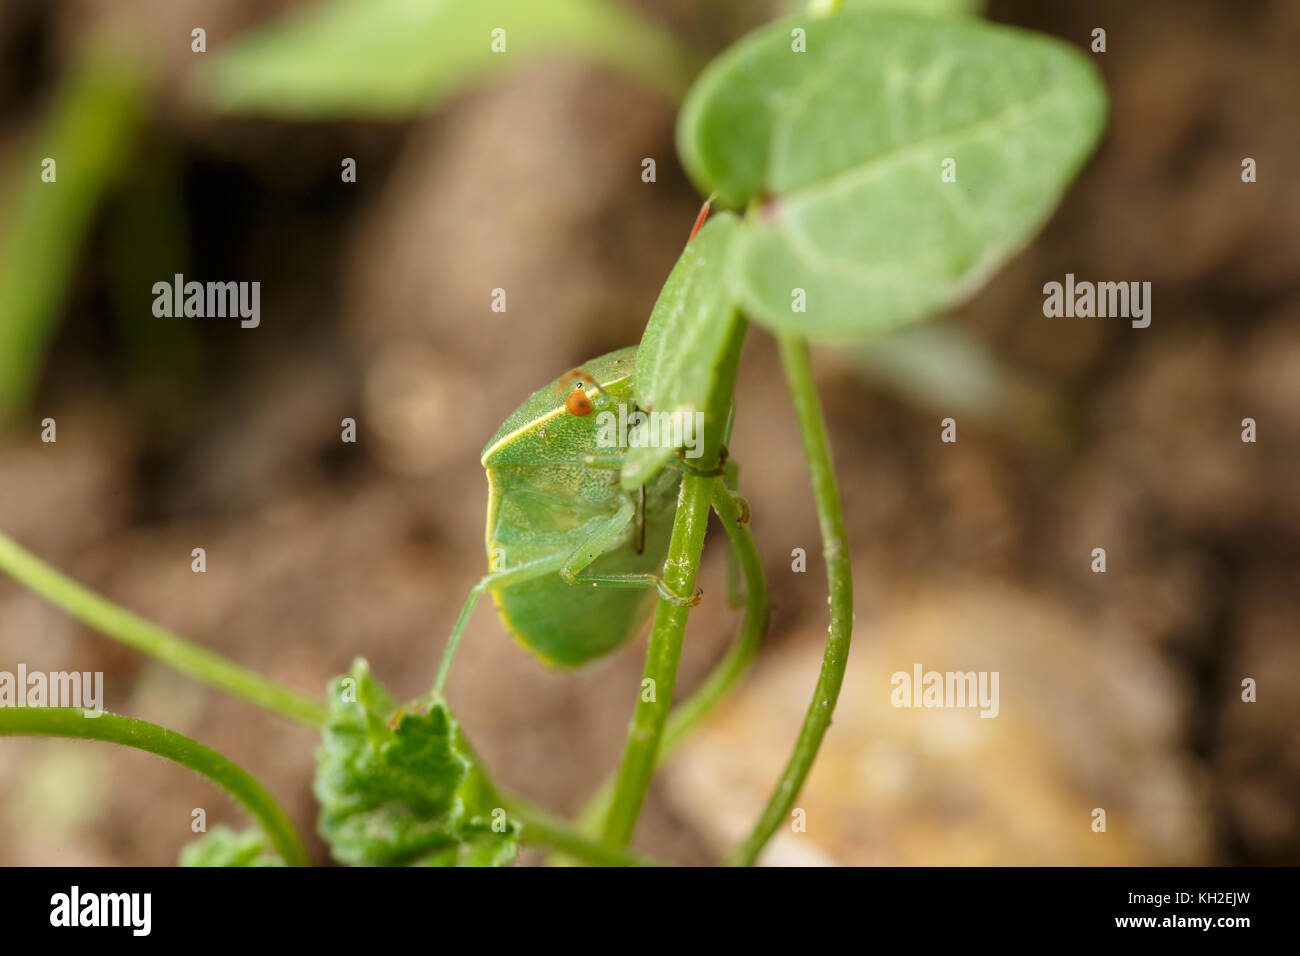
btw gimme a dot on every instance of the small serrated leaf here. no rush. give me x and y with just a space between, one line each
400 786
222 846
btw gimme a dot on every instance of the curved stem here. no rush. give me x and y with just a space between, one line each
662 657
723 677
686 715
544 829
830 516
134 631
129 732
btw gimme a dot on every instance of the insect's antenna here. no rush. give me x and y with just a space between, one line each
590 386
704 214
593 388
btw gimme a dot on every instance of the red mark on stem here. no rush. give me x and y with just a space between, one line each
699 220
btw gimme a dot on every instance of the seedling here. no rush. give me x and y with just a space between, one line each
880 166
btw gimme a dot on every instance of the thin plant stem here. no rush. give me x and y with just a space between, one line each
688 714
540 828
134 631
141 735
662 657
659 681
830 516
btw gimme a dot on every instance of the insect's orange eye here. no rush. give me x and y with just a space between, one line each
578 403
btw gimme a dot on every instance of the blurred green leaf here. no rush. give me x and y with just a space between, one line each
841 149
401 786
223 846
685 343
88 132
147 235
391 58
947 369
931 7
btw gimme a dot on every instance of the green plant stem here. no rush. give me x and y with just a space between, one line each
835 549
662 657
134 631
129 732
686 715
541 828
722 678
645 733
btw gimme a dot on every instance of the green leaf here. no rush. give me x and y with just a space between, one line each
392 58
840 150
685 346
944 367
223 846
400 786
89 130
941 8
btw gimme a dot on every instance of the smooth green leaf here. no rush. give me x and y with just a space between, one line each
840 150
391 58
222 846
400 786
686 342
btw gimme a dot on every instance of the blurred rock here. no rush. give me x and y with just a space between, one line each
1084 721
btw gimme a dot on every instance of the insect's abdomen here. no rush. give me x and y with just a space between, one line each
564 624
579 624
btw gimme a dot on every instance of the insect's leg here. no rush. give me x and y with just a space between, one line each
640 520
731 481
602 460
687 714
605 538
732 510
491 582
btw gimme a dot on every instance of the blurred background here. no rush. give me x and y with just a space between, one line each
1119 690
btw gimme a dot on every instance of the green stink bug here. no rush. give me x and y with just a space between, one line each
573 559
578 526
